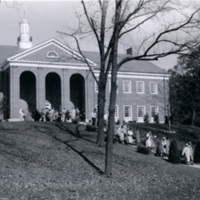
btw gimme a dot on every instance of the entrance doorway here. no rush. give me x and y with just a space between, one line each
53 90
28 91
77 93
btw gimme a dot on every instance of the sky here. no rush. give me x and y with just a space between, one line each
46 18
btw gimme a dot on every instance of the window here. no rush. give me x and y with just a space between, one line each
52 54
127 111
140 87
140 113
127 86
154 110
153 88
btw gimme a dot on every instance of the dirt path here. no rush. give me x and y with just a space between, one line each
195 166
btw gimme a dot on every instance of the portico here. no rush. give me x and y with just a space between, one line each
33 85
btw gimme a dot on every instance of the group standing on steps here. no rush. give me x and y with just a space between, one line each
50 114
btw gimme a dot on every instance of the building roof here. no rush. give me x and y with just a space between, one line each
131 66
8 51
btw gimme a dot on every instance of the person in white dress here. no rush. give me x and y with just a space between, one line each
73 113
63 113
191 153
129 138
94 116
148 142
120 134
22 114
187 153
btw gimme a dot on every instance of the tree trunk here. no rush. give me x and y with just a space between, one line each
101 105
111 121
112 103
169 126
193 117
102 76
169 118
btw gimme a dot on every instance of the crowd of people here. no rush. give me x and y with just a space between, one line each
122 134
161 147
48 114
63 116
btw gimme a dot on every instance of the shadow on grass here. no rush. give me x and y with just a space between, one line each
80 153
75 133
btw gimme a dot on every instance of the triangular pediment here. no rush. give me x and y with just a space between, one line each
51 51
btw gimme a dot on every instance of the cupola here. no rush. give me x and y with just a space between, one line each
24 41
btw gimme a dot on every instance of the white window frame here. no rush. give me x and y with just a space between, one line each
143 113
129 86
131 116
137 84
156 87
116 112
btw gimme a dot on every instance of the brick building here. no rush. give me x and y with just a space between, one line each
52 73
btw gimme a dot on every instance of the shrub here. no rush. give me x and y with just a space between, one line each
159 149
156 118
91 128
197 153
166 119
143 149
174 153
74 121
197 121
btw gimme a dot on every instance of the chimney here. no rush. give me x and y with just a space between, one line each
129 51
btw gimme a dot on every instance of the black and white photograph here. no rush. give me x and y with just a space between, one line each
100 100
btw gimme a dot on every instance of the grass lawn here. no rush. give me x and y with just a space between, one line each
49 161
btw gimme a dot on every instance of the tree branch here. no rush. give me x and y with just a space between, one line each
83 57
169 31
178 48
90 21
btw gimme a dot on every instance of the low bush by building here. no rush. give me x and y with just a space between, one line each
197 153
174 153
143 149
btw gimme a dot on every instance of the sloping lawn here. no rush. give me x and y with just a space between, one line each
50 161
183 133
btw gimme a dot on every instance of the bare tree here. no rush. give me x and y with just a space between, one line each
12 4
100 34
151 46
99 30
173 30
